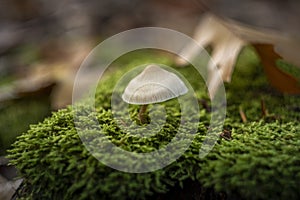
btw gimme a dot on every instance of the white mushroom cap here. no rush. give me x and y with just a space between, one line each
153 85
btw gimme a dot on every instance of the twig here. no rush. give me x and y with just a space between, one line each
226 135
243 115
264 111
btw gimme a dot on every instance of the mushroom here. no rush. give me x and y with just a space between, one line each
153 85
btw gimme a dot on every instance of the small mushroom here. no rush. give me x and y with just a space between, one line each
153 85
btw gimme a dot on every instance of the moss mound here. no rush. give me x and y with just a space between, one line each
259 161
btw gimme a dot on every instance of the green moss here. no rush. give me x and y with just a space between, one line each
289 68
261 160
17 115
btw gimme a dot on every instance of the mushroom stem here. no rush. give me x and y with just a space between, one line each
142 113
